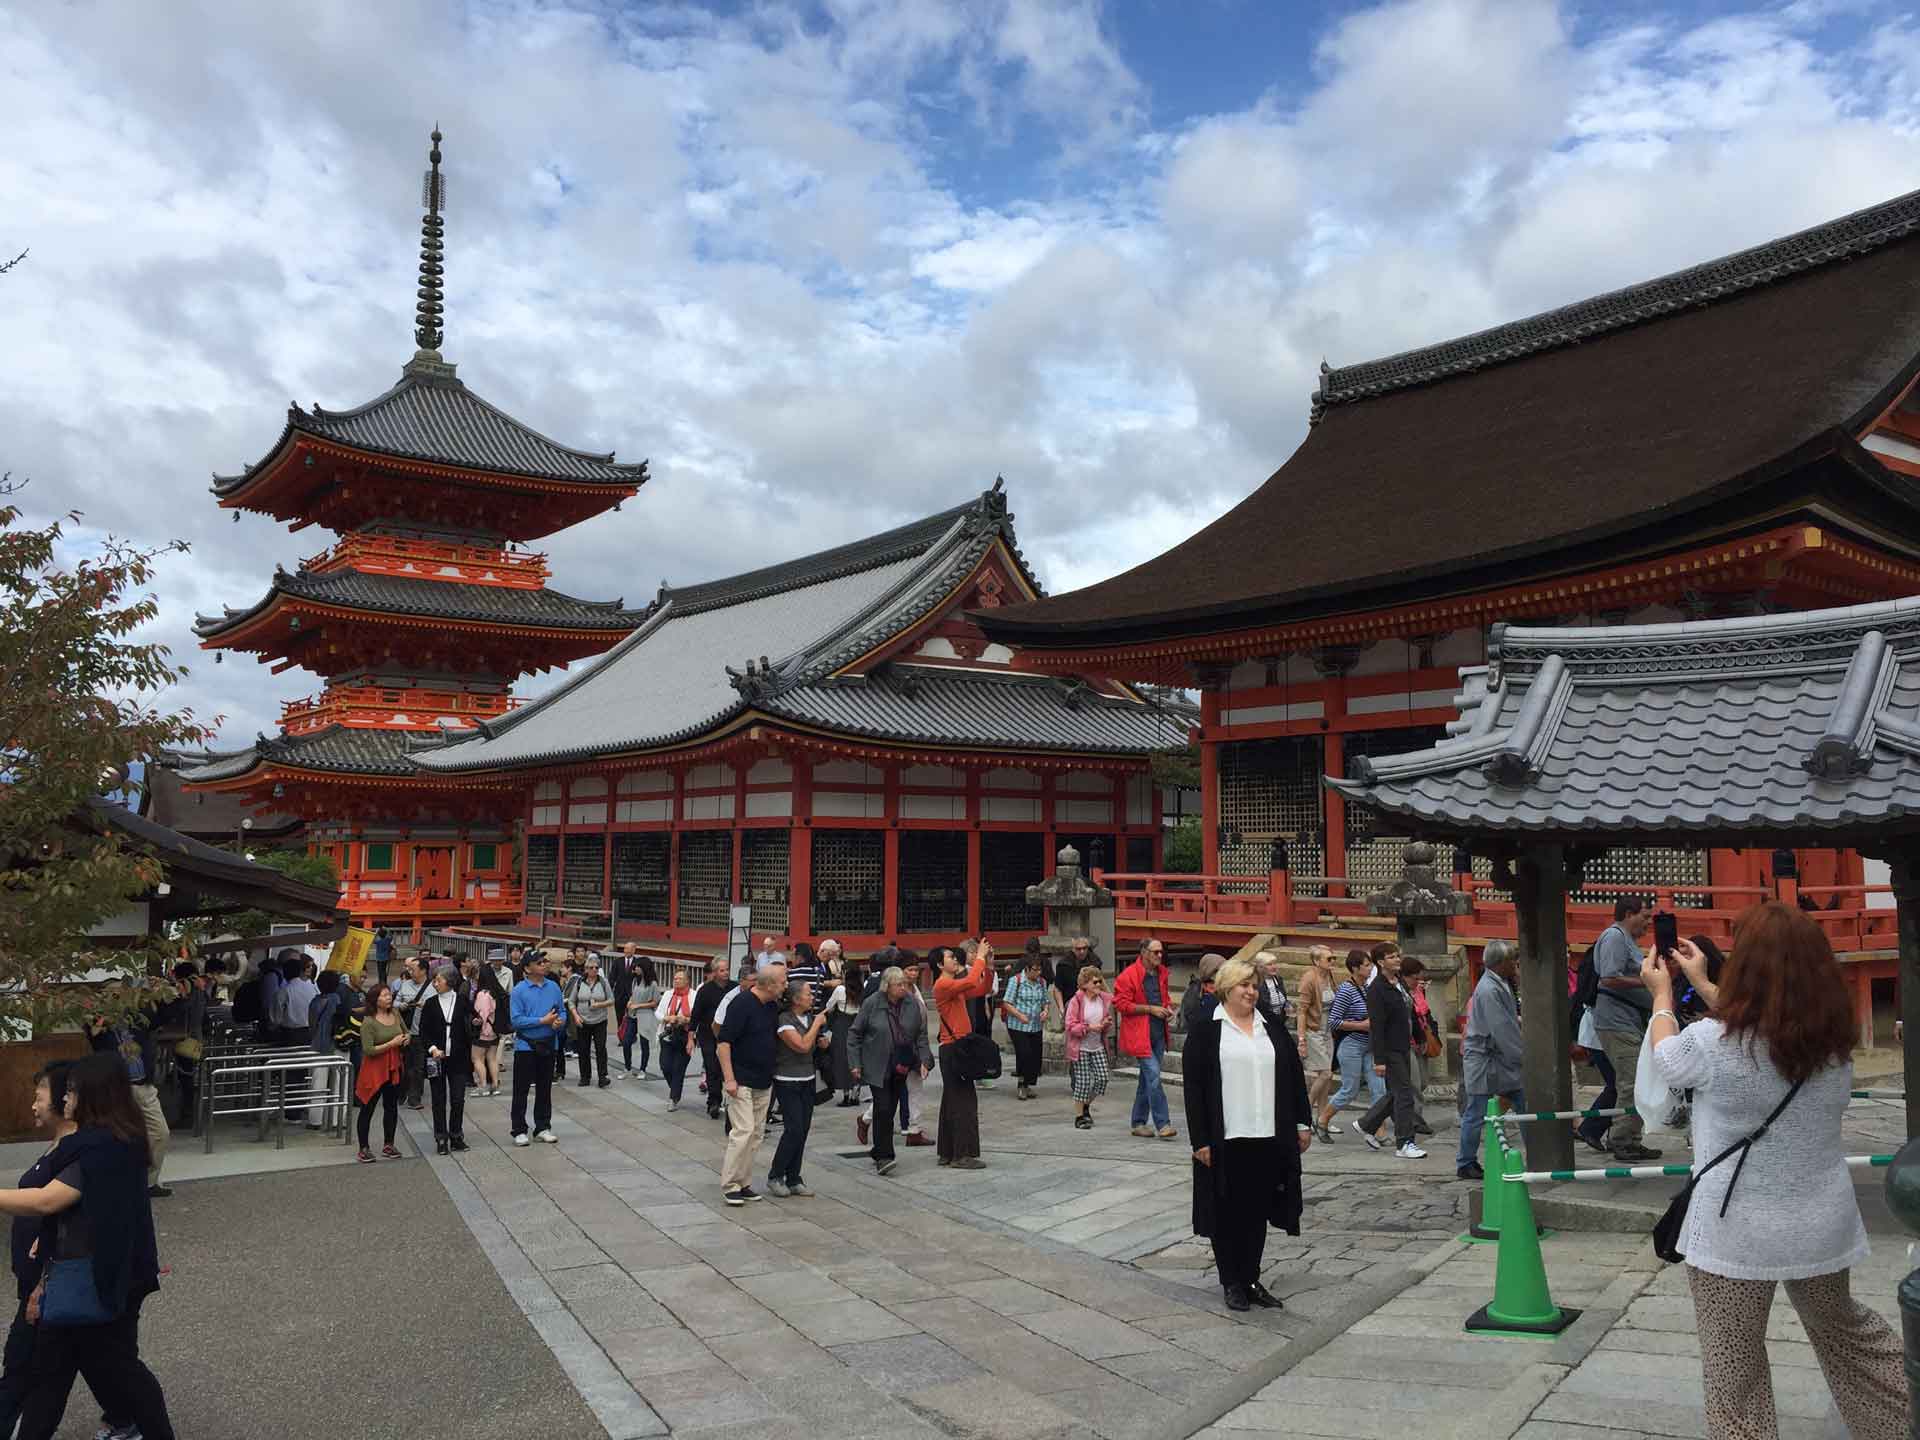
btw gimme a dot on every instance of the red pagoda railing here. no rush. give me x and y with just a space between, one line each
373 707
433 560
495 897
1281 899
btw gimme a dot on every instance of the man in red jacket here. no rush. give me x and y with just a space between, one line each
1140 995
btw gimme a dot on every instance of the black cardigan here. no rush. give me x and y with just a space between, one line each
457 1047
1206 1119
1390 1031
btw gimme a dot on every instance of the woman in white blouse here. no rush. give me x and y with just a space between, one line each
1780 1019
1249 1123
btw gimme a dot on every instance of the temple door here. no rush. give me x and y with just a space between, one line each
433 871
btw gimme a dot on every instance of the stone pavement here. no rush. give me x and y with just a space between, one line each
973 1303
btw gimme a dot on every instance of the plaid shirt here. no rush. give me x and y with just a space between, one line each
1030 998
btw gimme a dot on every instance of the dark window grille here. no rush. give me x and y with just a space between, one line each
543 865
1272 788
584 862
1010 861
933 882
764 877
706 877
642 883
849 882
1374 841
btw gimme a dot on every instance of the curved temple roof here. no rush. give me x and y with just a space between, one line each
430 415
1785 723
770 642
1610 423
439 599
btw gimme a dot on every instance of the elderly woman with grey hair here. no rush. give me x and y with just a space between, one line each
887 1044
1489 1052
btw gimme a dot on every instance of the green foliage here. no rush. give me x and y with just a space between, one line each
1180 852
1179 768
295 865
75 713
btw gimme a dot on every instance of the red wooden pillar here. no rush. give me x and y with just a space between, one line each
800 851
1336 811
1209 781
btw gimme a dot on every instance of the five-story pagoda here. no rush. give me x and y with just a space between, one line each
418 620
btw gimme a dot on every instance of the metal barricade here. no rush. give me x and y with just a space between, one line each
267 1085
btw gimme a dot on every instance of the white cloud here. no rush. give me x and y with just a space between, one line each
760 249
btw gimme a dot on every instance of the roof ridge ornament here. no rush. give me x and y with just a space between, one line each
1847 746
428 331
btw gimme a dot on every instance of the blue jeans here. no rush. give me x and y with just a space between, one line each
1473 1119
1149 1095
1356 1060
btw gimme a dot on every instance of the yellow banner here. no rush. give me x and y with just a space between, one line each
350 951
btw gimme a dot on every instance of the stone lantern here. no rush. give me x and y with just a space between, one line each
1076 909
1421 903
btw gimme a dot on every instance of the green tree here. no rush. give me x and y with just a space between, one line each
77 713
1180 852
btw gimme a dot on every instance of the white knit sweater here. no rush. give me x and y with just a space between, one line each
1793 1214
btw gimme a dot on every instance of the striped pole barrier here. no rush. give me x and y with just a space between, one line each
1658 1172
1527 1117
1878 1094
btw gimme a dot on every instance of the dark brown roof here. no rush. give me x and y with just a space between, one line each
1499 456
201 813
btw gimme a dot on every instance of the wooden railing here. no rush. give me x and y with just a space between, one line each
433 560
499 897
373 707
1855 917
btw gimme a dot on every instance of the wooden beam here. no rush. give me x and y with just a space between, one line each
1540 895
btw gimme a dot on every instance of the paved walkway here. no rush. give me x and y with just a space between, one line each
976 1303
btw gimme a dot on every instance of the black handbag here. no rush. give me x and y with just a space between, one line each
1666 1233
976 1057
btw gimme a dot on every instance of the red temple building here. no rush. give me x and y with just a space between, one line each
1740 437
418 619
832 742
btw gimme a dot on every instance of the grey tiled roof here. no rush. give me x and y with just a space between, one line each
435 417
1841 239
1784 723
443 599
337 748
769 641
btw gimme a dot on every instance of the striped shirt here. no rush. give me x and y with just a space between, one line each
1348 1004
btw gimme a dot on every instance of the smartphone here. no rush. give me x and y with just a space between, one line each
1666 932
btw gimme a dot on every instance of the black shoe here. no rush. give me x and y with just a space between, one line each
747 1192
1597 1146
440 1145
584 1084
1470 1172
605 1083
457 1144
1634 1154
1238 1298
159 1192
1264 1297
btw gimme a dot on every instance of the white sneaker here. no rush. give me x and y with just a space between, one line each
521 1139
1373 1141
1410 1151
549 1138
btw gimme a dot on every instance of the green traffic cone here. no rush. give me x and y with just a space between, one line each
1521 1304
1488 1229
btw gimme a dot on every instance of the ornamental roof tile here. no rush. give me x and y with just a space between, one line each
337 749
439 599
787 628
432 416
1783 724
1686 406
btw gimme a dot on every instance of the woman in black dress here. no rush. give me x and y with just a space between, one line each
1249 1123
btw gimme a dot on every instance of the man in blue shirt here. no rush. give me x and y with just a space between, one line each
538 1013
1621 1009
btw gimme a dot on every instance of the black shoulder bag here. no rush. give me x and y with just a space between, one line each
1666 1234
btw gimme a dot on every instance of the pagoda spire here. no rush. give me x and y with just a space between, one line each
427 332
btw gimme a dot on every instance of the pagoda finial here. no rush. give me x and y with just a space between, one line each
433 195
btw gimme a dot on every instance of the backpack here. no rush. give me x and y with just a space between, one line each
1586 983
246 1003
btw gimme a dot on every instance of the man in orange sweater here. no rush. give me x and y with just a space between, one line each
959 982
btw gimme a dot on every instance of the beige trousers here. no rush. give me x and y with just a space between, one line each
747 1117
1858 1351
158 1133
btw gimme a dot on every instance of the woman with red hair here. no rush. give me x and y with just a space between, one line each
1770 1067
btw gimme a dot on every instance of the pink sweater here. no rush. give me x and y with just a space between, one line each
1081 1017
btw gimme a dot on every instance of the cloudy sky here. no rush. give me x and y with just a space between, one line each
834 265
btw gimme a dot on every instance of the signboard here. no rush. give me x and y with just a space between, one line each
350 951
739 938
